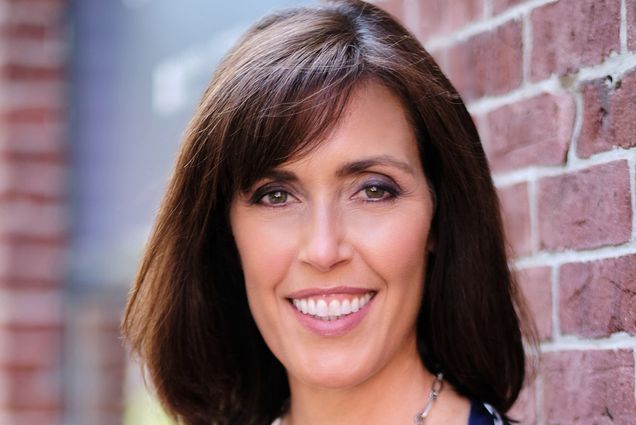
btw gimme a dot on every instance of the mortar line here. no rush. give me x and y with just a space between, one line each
623 27
554 287
616 65
412 15
513 13
526 37
551 258
616 341
631 161
533 204
524 91
538 394
572 156
508 178
634 354
488 9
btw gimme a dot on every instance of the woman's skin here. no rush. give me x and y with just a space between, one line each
349 220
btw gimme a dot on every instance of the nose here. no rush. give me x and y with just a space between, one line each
324 246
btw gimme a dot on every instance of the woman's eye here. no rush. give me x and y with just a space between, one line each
275 197
376 192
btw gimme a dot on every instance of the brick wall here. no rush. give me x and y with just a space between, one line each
552 87
33 234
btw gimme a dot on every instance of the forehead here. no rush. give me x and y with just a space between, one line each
374 125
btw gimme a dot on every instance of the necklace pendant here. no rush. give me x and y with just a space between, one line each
436 388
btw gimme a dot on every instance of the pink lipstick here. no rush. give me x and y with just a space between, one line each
331 311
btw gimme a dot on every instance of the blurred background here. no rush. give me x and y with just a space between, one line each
94 97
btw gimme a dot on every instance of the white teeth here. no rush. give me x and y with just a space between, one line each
355 305
321 309
346 307
311 307
334 310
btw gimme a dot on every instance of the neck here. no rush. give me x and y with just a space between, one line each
392 395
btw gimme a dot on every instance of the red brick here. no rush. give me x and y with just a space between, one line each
488 63
25 218
589 387
25 95
516 217
28 31
536 287
534 131
30 348
439 55
585 209
34 262
591 32
394 7
46 53
30 308
32 12
44 138
608 115
33 55
29 389
31 261
598 298
525 408
21 72
38 179
438 17
499 6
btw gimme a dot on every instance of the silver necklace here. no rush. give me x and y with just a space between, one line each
436 388
422 415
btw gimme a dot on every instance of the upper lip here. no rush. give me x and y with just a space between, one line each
317 292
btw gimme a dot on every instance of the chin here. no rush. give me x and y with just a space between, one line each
335 371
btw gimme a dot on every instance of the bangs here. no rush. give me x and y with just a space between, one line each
288 98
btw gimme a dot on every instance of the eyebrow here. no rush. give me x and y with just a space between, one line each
350 168
359 166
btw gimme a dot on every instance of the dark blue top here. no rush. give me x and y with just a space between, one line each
483 414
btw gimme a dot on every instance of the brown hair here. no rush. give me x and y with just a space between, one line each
280 90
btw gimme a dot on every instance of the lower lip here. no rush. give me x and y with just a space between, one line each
336 327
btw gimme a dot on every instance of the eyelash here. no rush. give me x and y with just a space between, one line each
391 191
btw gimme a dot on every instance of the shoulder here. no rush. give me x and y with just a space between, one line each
484 414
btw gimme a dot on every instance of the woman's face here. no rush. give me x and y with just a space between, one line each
334 244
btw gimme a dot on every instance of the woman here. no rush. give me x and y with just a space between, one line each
329 250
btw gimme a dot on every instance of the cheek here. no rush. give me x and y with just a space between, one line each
266 252
395 244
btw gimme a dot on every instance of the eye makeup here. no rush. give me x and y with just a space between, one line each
277 191
375 190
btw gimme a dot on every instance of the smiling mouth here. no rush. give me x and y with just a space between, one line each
329 309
